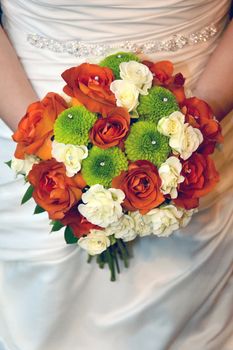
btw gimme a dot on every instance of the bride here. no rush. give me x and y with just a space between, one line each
178 291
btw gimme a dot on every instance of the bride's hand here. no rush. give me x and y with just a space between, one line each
216 83
16 91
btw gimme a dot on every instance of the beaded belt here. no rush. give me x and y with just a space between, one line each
85 49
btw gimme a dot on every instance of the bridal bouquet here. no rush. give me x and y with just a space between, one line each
124 155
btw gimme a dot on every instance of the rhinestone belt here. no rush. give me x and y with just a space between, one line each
86 49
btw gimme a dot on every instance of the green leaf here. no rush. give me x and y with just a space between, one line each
69 236
9 163
38 210
57 225
28 194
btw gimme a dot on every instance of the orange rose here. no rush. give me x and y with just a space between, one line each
200 178
162 72
90 85
79 224
199 114
110 131
53 190
141 185
36 127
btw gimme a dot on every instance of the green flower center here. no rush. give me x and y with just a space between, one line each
73 125
146 143
159 103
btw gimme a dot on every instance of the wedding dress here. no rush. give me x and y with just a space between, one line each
177 293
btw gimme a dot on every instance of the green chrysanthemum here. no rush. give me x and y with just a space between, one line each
73 125
159 103
102 166
113 61
146 143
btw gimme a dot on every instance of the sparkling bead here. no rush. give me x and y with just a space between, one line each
86 49
70 116
153 142
102 163
165 99
96 78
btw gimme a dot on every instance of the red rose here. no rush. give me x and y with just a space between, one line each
90 85
53 190
141 185
110 131
162 72
79 224
36 127
199 114
200 178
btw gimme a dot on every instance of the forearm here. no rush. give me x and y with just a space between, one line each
16 90
216 83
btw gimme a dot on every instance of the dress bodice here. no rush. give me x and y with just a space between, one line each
101 22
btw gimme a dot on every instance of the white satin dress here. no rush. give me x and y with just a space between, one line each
178 292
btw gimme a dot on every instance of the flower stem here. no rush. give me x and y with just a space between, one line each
89 259
123 252
100 260
114 254
111 264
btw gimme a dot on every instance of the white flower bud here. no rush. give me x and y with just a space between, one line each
24 166
138 74
126 94
70 155
94 243
169 173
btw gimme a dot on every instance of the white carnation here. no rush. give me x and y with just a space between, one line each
123 228
126 94
95 242
187 142
186 216
102 206
169 173
70 155
164 220
138 74
142 226
24 166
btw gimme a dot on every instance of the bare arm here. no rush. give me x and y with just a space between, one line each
16 90
216 83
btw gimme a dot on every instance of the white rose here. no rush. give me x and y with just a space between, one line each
138 74
172 125
187 142
23 166
164 220
169 173
126 94
70 155
102 206
123 228
142 226
95 242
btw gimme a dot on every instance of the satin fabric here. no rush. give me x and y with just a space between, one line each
177 293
